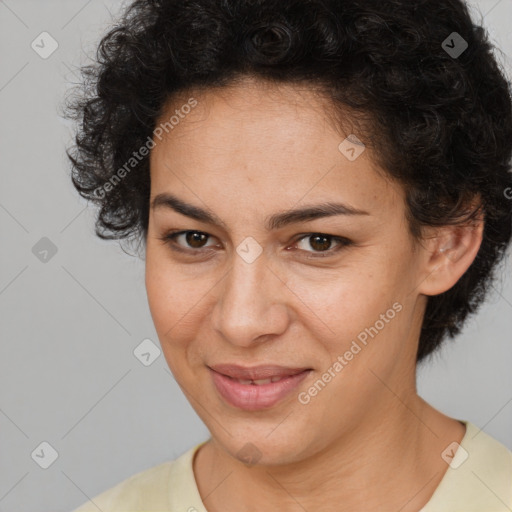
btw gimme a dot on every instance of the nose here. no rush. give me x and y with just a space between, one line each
251 305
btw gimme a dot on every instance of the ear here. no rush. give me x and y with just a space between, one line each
449 251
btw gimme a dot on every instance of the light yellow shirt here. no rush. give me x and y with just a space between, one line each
478 479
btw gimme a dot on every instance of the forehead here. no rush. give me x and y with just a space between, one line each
263 114
277 143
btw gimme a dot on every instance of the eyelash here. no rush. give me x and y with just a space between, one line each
170 240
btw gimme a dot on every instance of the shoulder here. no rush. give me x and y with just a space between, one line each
479 476
492 464
488 458
134 492
149 490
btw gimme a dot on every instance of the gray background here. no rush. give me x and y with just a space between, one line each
69 325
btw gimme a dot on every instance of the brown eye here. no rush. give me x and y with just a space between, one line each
322 244
191 241
194 242
195 239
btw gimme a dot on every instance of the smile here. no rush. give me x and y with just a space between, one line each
257 388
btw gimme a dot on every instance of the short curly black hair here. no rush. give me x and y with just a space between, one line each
439 113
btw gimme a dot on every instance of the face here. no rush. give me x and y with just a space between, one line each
320 308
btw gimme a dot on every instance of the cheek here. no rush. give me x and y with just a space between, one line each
361 313
345 301
178 298
169 294
168 311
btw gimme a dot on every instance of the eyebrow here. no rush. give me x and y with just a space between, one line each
275 221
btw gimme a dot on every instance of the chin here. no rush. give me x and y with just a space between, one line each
263 446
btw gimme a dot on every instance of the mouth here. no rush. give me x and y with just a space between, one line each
256 388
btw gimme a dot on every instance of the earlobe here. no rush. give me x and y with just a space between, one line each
449 254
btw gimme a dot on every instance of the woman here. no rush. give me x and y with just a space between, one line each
322 191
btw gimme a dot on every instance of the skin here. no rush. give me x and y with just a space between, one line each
366 441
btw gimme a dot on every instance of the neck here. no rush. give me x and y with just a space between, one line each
391 461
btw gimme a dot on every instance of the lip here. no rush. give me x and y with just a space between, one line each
253 397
